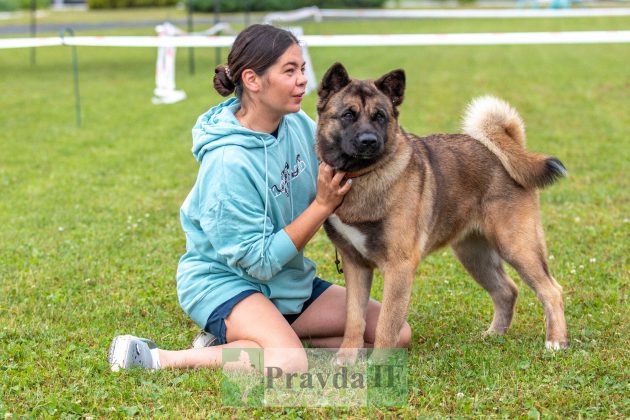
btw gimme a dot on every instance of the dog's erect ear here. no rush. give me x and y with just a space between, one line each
393 85
335 79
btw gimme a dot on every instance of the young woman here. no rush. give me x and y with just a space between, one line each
260 196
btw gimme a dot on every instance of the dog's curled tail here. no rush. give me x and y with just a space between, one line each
498 126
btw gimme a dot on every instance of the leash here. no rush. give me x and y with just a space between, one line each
337 262
348 175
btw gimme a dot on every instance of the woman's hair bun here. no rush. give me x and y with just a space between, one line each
222 82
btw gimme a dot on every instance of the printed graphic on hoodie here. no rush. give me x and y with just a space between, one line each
287 176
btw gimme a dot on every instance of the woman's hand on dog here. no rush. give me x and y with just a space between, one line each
330 190
329 196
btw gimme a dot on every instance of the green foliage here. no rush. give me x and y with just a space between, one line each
121 4
9 5
13 5
90 233
228 6
41 4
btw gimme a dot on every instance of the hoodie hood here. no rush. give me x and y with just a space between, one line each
219 127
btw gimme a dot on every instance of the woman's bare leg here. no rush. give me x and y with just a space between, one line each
253 323
201 357
322 324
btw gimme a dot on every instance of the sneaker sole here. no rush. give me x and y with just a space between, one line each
117 354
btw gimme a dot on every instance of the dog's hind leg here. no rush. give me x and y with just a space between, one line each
522 245
484 264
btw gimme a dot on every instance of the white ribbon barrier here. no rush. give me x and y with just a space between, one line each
483 13
295 15
580 37
319 14
29 42
151 41
508 38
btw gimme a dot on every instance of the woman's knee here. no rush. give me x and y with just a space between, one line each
287 360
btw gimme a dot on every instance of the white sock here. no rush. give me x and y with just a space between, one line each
155 356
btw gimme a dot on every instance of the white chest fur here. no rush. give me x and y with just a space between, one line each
350 233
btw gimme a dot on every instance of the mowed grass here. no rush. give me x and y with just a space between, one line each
90 234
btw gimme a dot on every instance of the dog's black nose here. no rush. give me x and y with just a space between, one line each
368 140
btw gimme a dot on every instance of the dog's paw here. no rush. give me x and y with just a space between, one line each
489 333
380 356
346 357
557 345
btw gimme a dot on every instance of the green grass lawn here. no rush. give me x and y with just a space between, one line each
90 234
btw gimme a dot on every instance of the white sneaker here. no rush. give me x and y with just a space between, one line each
204 339
128 351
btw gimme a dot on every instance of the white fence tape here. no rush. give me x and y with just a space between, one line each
295 15
319 14
29 42
484 13
151 41
580 37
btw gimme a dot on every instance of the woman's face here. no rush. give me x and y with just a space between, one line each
284 83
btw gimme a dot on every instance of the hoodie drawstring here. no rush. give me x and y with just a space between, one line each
291 199
262 253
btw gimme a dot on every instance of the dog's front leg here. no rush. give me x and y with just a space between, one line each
358 284
397 279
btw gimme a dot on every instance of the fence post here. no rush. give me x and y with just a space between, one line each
191 50
217 18
247 7
75 71
33 28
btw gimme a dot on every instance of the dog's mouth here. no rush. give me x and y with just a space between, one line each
361 157
366 147
366 155
352 163
350 155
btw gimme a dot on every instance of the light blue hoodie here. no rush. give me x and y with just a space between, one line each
249 187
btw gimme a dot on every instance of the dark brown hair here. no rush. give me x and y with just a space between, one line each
258 47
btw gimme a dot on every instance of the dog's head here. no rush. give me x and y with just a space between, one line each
358 119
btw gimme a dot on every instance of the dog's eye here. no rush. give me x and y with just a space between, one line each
348 116
380 117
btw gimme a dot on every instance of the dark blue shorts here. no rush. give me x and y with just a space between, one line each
216 321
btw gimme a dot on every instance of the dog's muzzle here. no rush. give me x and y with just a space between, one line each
368 144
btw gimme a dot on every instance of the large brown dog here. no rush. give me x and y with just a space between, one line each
412 195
